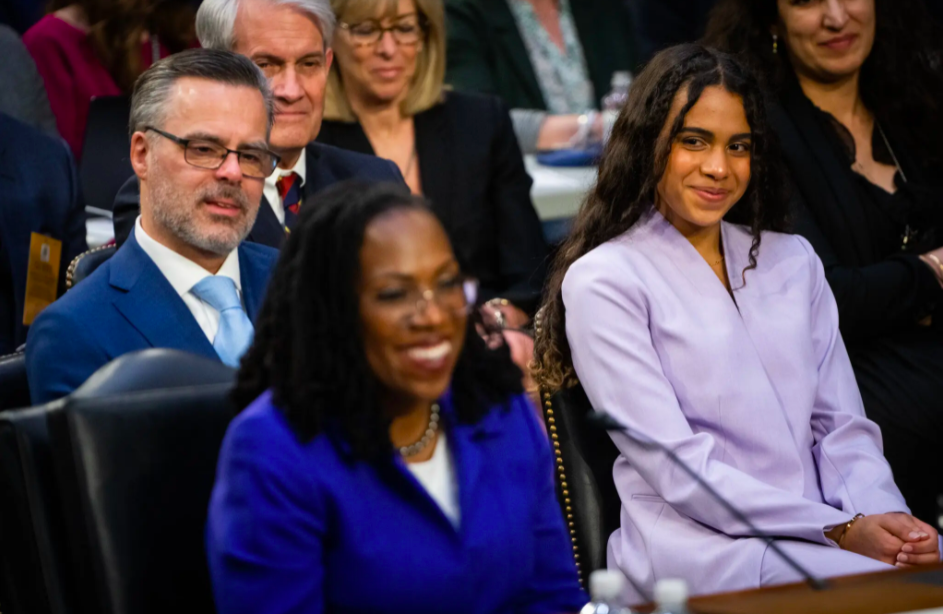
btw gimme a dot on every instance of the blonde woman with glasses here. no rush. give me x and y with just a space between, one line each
385 96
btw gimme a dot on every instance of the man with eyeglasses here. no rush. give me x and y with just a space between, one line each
185 278
290 41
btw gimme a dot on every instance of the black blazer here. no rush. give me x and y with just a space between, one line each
472 171
39 192
325 167
875 294
487 54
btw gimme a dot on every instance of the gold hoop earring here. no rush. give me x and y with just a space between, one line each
775 44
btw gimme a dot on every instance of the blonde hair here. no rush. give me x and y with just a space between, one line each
425 91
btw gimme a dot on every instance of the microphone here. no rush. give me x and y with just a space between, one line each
607 422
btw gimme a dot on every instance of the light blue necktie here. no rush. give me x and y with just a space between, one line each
235 330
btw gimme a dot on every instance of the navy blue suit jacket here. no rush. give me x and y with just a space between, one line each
302 527
39 192
126 304
325 166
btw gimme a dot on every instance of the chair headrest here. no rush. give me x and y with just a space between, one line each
152 369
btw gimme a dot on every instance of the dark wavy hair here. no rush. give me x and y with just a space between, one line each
308 347
634 162
901 81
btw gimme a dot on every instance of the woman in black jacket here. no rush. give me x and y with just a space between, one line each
860 93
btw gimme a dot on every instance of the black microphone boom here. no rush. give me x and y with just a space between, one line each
605 421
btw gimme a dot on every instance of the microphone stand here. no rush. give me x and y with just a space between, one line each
607 422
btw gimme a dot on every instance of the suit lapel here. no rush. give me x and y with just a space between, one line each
254 276
151 305
267 229
515 54
825 167
435 152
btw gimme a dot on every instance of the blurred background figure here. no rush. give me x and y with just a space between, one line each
860 94
386 459
39 193
385 97
94 48
22 93
551 61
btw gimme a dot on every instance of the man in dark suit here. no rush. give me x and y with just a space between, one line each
290 43
39 193
200 122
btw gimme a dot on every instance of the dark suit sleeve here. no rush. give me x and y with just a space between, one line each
73 240
467 67
522 252
60 356
395 175
126 209
875 299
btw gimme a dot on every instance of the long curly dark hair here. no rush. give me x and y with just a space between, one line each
308 348
632 165
901 81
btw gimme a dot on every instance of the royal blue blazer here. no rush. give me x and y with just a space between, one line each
126 304
304 528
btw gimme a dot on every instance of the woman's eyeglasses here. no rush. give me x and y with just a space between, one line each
254 163
456 295
406 31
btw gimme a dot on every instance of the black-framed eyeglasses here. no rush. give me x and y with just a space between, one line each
255 163
408 30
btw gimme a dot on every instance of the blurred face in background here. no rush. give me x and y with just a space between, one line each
377 67
708 168
827 40
286 43
413 306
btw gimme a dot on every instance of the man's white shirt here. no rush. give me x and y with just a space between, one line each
270 191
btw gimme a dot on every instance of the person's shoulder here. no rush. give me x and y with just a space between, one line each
49 32
353 164
33 145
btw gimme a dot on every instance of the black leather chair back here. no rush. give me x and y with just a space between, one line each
136 472
106 164
85 264
587 492
14 387
34 570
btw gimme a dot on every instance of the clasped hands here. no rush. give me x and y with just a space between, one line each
895 538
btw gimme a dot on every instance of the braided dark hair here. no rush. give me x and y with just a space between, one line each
901 80
632 165
308 348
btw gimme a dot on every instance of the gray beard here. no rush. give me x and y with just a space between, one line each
173 209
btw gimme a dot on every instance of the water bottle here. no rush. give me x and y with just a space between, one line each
613 102
671 597
605 588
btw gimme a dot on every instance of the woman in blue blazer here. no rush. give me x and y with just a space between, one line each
386 459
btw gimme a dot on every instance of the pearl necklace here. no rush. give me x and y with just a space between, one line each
426 439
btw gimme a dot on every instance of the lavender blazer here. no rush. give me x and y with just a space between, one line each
758 396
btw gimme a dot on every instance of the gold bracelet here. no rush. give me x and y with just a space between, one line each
848 526
497 301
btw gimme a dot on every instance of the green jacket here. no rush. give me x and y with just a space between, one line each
487 54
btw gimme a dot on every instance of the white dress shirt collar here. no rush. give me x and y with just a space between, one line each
270 191
181 272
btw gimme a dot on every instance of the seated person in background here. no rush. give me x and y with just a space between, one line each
22 93
185 280
860 112
290 42
39 192
400 469
90 48
551 61
385 96
686 315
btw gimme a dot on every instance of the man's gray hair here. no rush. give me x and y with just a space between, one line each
153 87
216 20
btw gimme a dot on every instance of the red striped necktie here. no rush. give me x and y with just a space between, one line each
289 190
